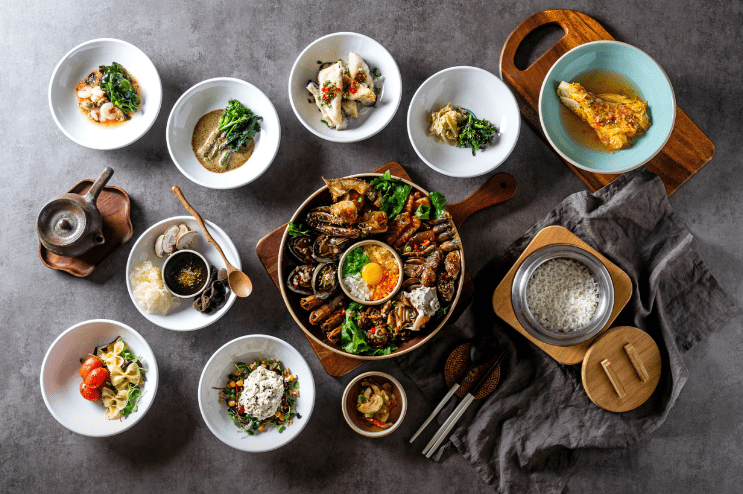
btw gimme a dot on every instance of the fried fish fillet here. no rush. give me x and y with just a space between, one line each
616 119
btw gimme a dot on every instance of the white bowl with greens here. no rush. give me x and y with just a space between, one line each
215 94
76 65
482 94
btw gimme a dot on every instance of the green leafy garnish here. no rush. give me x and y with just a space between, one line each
375 72
295 230
423 212
326 123
442 311
352 337
476 134
239 124
118 87
131 402
355 260
438 201
394 194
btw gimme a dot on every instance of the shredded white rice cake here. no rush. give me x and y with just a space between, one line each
562 295
149 290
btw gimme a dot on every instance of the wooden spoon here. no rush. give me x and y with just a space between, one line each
239 282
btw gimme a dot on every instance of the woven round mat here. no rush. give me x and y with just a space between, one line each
456 366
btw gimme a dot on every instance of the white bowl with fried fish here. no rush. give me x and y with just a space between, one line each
365 104
215 94
479 92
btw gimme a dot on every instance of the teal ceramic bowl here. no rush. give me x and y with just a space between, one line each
644 74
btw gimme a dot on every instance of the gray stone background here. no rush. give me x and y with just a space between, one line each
699 449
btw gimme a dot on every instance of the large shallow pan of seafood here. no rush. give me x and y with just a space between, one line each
324 258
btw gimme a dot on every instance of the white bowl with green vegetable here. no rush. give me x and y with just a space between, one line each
223 133
60 378
74 120
478 94
219 372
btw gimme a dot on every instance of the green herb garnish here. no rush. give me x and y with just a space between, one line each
355 261
295 230
118 87
423 212
438 201
394 194
442 311
375 72
352 337
239 124
131 402
326 123
476 134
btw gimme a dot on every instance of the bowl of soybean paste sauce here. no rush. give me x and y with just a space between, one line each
186 273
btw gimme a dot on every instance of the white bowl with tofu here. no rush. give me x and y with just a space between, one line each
360 96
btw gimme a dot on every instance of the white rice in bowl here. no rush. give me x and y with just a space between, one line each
357 287
562 295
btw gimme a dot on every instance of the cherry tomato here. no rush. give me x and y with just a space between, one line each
93 362
96 377
89 393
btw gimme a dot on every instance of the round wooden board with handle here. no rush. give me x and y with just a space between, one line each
621 369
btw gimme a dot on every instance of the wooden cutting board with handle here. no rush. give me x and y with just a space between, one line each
688 149
499 188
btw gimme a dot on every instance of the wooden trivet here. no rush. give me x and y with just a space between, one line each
552 235
687 150
457 364
334 363
114 206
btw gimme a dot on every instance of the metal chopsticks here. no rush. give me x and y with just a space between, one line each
450 422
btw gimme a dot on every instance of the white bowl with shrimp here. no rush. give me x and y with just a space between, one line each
60 377
214 94
247 349
482 93
76 65
331 48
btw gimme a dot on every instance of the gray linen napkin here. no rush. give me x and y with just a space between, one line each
526 435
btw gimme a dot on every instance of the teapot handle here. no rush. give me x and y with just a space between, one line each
97 187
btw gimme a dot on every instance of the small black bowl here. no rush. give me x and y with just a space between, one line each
186 273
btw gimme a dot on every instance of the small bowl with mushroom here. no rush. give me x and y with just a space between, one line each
374 404
176 243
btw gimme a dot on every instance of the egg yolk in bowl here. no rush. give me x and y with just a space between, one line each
372 273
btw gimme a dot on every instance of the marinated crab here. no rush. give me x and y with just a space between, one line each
323 221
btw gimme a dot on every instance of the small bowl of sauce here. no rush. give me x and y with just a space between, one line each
185 273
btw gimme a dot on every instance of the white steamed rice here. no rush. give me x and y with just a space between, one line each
357 287
562 295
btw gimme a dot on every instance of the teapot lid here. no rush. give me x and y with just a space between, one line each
61 222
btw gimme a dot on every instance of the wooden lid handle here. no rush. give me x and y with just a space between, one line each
613 378
634 357
499 188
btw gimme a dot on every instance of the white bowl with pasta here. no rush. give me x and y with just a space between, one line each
60 378
483 94
76 65
248 349
331 48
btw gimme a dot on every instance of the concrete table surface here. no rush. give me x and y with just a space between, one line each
698 449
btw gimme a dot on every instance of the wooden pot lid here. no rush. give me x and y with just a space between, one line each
621 369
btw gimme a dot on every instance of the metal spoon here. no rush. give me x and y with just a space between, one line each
239 282
480 352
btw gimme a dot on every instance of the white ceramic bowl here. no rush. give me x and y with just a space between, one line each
348 404
183 317
214 94
76 65
478 91
246 349
336 47
60 377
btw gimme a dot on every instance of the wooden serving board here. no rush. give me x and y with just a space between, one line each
687 150
553 235
115 207
497 189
